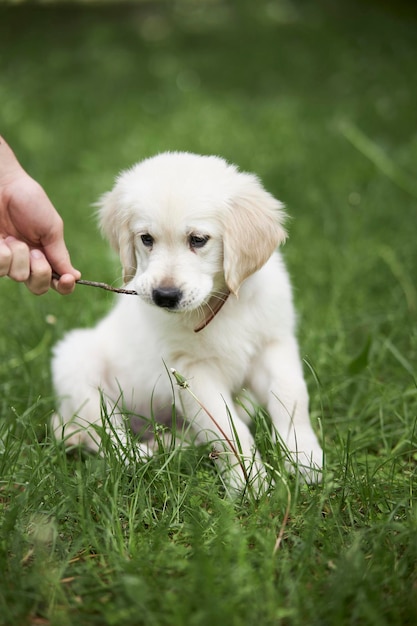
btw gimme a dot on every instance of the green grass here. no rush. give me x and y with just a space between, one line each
319 100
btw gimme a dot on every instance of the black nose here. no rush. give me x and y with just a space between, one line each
167 297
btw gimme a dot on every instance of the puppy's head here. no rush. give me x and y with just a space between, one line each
188 227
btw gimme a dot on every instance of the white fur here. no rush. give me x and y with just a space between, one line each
249 344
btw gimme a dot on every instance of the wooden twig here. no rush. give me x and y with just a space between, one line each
92 283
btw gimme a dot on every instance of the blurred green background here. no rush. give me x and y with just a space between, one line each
319 99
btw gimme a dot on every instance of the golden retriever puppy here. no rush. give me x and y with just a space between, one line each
197 240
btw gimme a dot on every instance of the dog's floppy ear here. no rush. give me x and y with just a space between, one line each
252 231
115 226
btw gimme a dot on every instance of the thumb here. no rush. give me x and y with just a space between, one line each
59 259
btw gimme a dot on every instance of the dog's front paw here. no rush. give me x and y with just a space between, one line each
308 461
246 475
74 434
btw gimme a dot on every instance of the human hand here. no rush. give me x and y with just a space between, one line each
31 232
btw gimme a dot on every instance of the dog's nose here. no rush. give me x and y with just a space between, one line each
167 297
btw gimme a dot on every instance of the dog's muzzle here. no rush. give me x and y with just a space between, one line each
167 297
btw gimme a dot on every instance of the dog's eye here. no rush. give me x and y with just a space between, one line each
198 241
147 240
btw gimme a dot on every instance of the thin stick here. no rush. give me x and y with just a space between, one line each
92 283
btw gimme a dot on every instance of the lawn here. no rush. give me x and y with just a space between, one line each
319 99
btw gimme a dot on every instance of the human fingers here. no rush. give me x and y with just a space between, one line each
39 280
58 256
19 268
64 285
5 258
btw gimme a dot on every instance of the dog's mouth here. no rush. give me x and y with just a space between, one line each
171 298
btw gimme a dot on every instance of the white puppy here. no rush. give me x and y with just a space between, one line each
197 240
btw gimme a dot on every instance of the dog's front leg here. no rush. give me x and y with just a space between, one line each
208 405
279 384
